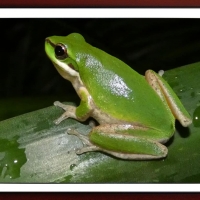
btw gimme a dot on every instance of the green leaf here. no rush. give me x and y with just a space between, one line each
34 149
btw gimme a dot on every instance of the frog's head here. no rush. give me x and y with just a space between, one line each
62 52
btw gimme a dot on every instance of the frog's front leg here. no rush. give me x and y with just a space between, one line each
80 113
169 98
124 141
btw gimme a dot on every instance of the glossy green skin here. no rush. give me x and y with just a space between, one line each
117 91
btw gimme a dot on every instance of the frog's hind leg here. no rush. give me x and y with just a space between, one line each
168 96
124 141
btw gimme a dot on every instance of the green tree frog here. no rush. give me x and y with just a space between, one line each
135 114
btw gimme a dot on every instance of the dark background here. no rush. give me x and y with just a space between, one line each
29 81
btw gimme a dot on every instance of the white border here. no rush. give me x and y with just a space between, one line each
101 13
142 188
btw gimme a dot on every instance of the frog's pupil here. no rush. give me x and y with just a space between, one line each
59 50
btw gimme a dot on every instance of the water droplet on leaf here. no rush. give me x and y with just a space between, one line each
72 166
196 117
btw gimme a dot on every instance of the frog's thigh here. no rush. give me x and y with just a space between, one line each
168 96
115 140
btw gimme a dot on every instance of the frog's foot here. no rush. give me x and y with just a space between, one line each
69 112
83 138
88 146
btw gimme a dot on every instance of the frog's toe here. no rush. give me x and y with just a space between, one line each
83 138
60 105
87 149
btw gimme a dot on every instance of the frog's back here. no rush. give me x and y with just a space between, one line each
121 92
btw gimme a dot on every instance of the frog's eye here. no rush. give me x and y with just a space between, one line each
60 51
